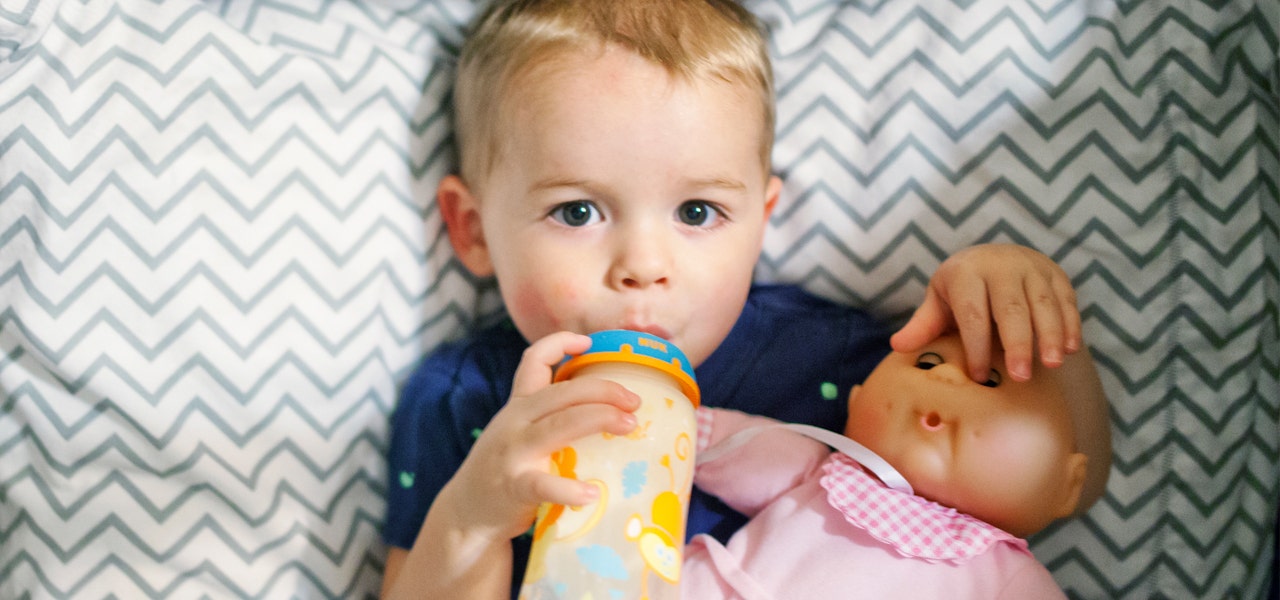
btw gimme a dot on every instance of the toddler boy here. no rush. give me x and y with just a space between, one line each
615 174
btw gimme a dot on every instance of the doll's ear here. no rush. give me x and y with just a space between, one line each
461 212
1077 468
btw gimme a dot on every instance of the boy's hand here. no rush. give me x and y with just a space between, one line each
1027 295
507 473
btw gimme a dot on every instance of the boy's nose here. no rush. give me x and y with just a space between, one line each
640 273
641 281
642 261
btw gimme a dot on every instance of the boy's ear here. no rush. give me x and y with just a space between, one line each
771 192
461 215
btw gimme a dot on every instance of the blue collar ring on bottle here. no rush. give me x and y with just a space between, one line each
637 347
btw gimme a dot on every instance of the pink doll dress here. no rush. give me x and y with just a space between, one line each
822 527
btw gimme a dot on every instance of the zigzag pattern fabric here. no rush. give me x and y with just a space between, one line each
1133 142
219 256
214 275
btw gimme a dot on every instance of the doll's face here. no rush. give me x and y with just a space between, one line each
1001 451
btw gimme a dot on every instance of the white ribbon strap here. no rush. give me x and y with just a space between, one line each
868 459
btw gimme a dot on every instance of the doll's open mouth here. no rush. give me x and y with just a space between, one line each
931 421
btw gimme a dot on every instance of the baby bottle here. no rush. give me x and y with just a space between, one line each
629 543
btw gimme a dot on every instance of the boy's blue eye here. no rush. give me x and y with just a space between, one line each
578 213
698 213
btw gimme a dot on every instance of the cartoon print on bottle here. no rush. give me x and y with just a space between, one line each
658 537
580 520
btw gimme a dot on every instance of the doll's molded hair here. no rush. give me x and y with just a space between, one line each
709 40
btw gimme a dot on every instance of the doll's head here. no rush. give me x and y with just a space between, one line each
1017 455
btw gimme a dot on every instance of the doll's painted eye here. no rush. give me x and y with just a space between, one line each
993 379
928 360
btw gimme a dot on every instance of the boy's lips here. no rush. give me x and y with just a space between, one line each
654 330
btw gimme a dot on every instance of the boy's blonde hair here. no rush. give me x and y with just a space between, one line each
691 39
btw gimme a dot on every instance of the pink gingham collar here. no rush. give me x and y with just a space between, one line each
912 525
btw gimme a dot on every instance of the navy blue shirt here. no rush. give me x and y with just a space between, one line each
790 356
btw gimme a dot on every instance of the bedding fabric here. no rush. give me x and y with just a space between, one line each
219 258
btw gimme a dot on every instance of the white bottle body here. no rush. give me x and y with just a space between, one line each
630 543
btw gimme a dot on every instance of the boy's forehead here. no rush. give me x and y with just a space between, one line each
536 101
716 41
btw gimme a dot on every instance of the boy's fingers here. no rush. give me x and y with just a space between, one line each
562 427
540 359
930 320
1013 318
1073 337
546 487
584 391
977 350
1047 319
971 307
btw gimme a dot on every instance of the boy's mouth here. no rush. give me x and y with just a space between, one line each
653 330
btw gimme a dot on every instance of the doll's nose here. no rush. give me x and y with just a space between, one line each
952 373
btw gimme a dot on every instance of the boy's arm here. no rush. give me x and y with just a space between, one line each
1024 293
449 560
750 475
464 547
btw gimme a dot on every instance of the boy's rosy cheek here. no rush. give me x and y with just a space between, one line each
529 303
566 294
546 304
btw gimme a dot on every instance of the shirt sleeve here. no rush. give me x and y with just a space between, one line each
793 357
443 407
748 476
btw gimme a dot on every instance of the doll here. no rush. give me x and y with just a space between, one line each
985 465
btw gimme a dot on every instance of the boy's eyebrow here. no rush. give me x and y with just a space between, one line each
558 182
718 182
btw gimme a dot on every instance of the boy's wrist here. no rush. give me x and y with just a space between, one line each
467 558
457 524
